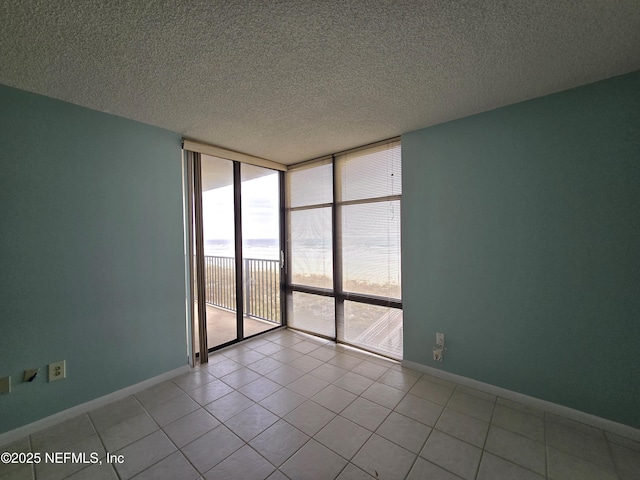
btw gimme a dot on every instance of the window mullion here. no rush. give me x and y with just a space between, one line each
337 253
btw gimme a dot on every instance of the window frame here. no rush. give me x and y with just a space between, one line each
337 292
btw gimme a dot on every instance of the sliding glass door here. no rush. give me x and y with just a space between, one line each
261 249
218 222
237 261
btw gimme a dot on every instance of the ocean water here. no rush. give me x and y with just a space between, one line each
372 261
257 249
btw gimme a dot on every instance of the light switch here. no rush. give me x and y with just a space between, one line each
30 375
5 385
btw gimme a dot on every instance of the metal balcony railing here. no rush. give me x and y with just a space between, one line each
261 282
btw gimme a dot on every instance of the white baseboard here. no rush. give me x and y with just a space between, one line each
556 409
51 420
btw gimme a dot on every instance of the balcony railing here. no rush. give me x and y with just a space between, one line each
261 282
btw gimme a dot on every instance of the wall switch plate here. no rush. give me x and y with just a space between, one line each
440 339
57 371
5 385
30 374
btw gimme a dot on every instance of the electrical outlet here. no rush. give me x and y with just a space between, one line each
5 385
57 371
440 339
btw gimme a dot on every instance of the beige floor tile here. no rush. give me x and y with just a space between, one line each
172 467
383 395
452 454
366 413
517 449
419 409
343 436
243 464
251 422
520 422
382 459
309 417
313 462
229 406
495 468
283 401
463 427
564 466
192 426
142 454
213 447
334 398
404 431
278 442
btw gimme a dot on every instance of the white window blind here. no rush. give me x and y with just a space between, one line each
310 224
311 247
371 249
374 328
370 173
310 199
311 184
369 209
313 313
370 192
357 300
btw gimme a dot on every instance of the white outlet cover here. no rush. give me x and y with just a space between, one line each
439 338
57 370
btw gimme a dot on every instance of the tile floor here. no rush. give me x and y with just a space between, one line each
287 405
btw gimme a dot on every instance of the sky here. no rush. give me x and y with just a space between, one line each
260 210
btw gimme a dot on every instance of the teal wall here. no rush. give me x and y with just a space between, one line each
91 253
521 242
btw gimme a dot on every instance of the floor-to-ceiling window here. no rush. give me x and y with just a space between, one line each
369 189
310 208
237 249
344 278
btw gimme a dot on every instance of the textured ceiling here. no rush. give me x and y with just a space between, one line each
289 81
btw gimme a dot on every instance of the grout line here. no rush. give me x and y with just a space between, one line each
162 430
99 435
415 460
616 469
546 449
444 407
33 465
486 437
545 475
371 433
457 388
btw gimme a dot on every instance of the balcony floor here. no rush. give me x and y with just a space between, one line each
221 326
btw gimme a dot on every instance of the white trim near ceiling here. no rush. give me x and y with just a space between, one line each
231 155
